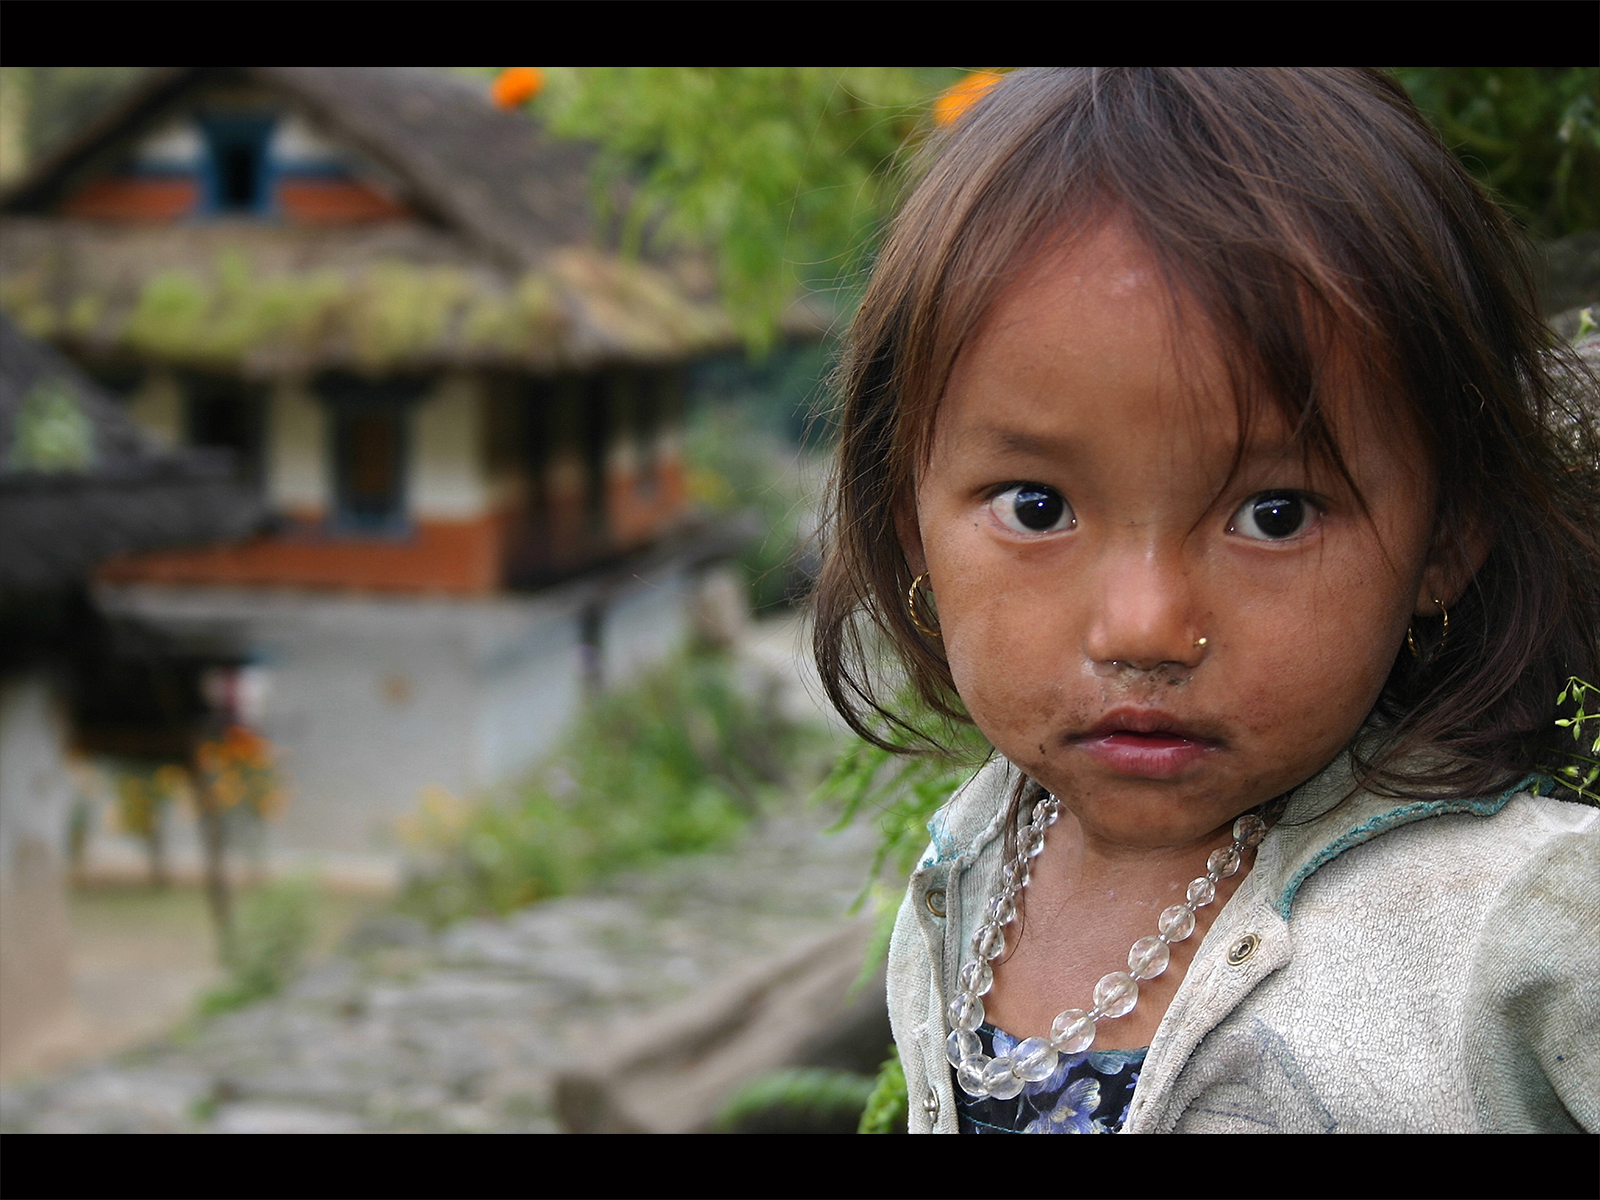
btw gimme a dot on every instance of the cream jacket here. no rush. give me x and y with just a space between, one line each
1386 966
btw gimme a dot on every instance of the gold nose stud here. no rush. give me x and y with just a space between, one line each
1201 643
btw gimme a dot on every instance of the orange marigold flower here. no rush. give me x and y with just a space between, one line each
515 86
956 99
248 746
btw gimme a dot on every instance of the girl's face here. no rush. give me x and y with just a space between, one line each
1160 645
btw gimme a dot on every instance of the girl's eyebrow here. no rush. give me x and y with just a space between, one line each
1258 450
1018 441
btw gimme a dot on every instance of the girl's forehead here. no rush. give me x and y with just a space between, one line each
1092 343
1084 320
1087 304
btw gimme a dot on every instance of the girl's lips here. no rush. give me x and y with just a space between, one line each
1157 754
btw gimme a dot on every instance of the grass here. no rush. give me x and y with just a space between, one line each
276 924
675 764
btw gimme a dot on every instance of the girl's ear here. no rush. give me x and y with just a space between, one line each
909 531
1452 563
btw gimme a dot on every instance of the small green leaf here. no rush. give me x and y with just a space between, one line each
52 432
888 1108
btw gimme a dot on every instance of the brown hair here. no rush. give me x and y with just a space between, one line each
1290 203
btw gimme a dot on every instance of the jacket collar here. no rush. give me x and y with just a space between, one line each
1330 813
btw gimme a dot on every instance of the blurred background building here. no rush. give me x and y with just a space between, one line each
462 419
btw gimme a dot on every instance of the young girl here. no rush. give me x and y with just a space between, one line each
1202 445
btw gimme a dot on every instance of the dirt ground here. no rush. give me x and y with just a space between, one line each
141 958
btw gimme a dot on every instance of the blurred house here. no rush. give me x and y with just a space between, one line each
78 482
384 297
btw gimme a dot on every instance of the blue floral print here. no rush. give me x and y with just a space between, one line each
1074 1110
1086 1093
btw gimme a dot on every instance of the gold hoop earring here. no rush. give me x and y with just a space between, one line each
1444 636
911 606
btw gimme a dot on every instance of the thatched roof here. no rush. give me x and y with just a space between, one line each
80 482
270 299
490 175
499 267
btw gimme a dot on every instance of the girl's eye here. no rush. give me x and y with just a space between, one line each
1274 517
1033 508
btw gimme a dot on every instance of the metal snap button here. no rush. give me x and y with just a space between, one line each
930 1104
1242 950
935 902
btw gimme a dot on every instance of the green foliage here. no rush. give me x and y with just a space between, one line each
789 173
274 932
52 432
888 1109
394 313
739 466
799 1100
1580 775
674 764
903 791
785 171
1531 134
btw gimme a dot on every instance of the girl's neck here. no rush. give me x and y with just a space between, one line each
1087 861
1088 901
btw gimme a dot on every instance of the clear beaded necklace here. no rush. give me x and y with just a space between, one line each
1116 994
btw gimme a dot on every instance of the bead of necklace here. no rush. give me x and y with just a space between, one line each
1116 995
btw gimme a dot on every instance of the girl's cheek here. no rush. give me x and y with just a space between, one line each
1011 680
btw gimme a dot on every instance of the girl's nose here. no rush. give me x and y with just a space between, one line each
1144 618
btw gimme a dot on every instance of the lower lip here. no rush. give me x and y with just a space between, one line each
1149 756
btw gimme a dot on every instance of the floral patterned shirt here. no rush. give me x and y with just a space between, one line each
1086 1093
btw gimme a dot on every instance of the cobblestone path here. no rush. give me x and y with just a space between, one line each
463 1030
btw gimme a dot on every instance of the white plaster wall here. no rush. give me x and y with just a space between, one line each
644 624
367 712
299 455
448 476
532 687
175 144
370 700
296 143
158 407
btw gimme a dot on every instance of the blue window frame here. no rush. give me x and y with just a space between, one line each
371 438
238 168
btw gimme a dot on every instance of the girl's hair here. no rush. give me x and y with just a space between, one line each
1318 221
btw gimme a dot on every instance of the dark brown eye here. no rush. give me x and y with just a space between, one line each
1033 508
1273 517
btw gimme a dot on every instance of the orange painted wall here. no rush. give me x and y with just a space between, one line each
334 202
129 198
301 201
459 557
639 515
